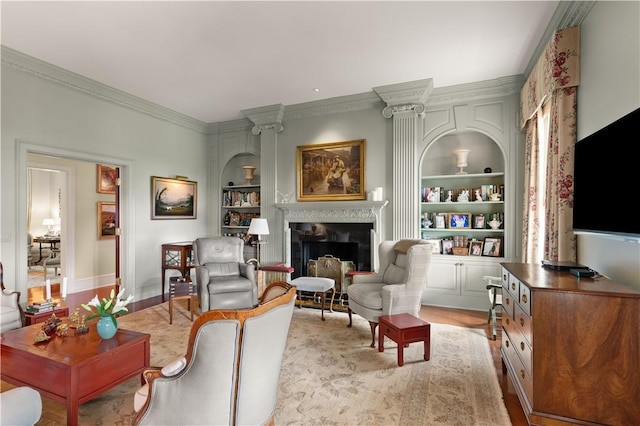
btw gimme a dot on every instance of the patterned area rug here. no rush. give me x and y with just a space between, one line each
330 375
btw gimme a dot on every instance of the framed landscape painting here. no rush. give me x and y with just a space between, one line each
106 179
173 198
106 220
331 171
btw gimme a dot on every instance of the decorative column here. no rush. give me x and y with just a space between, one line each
268 123
405 103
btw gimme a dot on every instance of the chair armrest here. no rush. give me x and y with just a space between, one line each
494 286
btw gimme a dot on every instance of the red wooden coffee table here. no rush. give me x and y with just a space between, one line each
75 368
404 329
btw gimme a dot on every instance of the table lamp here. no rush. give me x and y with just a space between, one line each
259 227
48 222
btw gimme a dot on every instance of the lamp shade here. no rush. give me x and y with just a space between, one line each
48 222
259 226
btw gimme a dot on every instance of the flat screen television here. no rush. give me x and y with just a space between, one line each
606 179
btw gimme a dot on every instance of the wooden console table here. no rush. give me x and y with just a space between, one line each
177 256
571 346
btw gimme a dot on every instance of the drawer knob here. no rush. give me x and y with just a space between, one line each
522 374
521 322
524 298
513 286
504 277
507 321
507 302
506 343
522 346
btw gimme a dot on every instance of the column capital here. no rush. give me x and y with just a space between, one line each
266 118
405 96
276 127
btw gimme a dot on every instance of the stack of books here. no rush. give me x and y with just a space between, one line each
39 307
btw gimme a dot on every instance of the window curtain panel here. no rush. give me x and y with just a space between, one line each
553 80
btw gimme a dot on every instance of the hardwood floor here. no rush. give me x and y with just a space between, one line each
458 317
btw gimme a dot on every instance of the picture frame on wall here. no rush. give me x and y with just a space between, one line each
106 179
106 220
173 198
492 246
331 171
459 220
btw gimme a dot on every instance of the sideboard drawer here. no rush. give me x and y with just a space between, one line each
524 299
523 322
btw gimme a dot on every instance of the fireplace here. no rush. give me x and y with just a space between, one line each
349 230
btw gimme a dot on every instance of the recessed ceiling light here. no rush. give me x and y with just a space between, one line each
315 89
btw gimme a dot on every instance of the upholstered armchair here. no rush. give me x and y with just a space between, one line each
230 373
223 279
397 286
11 315
20 406
53 261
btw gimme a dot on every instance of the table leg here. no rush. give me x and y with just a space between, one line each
427 343
72 408
380 340
401 350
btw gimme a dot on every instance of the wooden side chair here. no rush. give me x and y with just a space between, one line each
494 288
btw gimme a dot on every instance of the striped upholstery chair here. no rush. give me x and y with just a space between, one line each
397 286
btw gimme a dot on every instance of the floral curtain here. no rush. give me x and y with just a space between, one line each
553 80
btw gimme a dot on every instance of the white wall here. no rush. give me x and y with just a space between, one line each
41 115
609 89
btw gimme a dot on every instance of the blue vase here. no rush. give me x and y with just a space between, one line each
105 327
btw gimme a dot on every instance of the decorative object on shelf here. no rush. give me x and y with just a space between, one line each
478 195
433 197
459 220
82 327
425 222
449 196
248 174
495 224
487 170
447 246
494 196
461 160
230 183
331 171
259 226
107 311
441 221
492 246
478 221
285 197
173 198
464 196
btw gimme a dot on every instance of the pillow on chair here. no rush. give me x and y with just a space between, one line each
230 269
394 274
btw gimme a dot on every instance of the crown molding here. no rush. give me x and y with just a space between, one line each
337 105
36 67
503 86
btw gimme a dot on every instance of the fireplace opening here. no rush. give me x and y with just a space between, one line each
346 241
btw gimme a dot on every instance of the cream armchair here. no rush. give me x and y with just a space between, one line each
11 315
20 406
223 279
230 373
397 286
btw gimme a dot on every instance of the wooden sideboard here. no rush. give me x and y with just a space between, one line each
571 346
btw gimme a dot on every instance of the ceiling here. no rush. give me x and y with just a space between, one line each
212 59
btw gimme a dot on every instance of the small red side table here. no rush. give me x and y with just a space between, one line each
404 329
31 318
181 288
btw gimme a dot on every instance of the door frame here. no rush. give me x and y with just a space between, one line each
127 220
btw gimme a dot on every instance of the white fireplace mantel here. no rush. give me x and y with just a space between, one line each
335 212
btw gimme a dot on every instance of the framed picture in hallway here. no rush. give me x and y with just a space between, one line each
173 198
106 220
331 171
106 179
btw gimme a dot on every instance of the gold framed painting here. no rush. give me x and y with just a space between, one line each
106 220
173 198
331 171
106 177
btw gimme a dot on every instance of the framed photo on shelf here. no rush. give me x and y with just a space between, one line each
441 221
106 177
447 246
478 221
492 246
437 245
106 220
173 198
459 221
475 248
331 171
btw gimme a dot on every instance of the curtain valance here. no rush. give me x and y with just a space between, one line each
557 68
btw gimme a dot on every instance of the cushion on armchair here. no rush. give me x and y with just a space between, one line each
228 269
